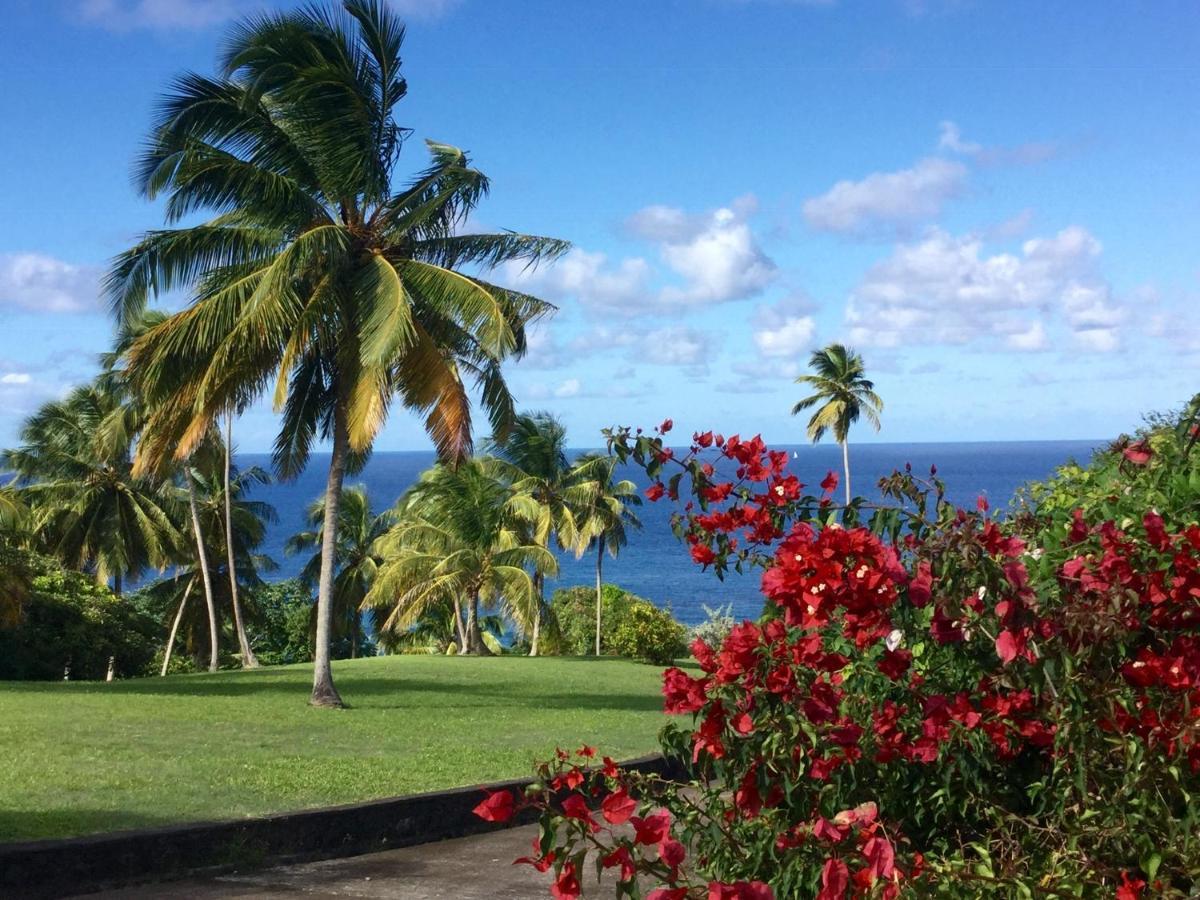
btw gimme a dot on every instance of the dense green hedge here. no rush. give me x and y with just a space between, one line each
66 620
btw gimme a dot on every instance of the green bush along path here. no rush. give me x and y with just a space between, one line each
93 757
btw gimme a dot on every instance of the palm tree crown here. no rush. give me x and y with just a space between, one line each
842 393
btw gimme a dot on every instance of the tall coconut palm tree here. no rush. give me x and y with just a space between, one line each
605 521
458 538
315 273
249 661
209 501
841 393
550 489
358 561
87 506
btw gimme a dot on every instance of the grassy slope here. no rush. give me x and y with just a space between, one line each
88 757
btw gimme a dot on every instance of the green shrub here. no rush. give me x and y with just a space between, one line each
649 633
66 621
282 633
629 625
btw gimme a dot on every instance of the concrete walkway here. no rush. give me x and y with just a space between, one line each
471 868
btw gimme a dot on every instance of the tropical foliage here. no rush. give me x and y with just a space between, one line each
315 274
460 538
357 560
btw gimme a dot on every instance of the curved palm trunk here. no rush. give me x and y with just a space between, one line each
539 584
202 558
249 661
323 692
846 467
459 629
599 586
175 626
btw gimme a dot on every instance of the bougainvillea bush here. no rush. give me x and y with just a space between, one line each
937 701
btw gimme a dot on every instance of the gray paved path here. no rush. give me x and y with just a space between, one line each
470 868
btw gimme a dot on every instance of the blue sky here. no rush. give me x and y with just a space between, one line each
996 203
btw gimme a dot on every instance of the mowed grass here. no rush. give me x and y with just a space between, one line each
77 758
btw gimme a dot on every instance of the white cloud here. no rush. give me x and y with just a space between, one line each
944 290
16 378
1031 339
784 329
31 281
568 388
675 345
951 140
887 199
712 258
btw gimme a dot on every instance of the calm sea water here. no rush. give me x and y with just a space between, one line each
655 565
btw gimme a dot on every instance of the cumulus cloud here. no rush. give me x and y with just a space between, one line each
675 345
706 259
31 281
887 200
784 329
16 378
944 289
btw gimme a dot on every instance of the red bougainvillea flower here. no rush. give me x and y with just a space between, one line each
703 554
623 858
653 829
672 852
835 879
666 426
1138 453
1130 888
830 482
655 492
498 807
539 862
575 807
668 894
618 807
566 886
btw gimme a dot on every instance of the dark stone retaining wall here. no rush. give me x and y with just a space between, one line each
78 865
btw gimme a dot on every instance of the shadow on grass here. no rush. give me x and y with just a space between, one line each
397 686
19 826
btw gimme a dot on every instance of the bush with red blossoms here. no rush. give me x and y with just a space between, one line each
935 700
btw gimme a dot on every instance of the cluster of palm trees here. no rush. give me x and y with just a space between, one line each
479 536
314 278
79 500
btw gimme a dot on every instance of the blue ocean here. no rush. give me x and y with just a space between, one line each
655 565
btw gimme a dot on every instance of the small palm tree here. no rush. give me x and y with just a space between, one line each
606 517
315 274
358 563
549 490
842 394
459 538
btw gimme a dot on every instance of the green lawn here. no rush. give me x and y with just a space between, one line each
89 757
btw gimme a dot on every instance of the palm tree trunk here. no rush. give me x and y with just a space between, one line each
458 627
539 582
323 692
175 626
249 661
116 589
846 467
475 644
355 625
202 558
599 586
